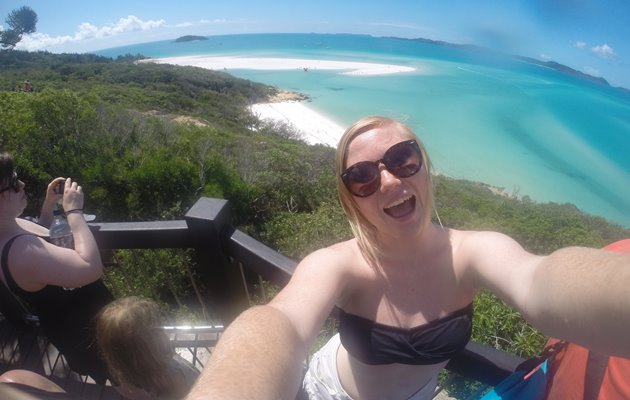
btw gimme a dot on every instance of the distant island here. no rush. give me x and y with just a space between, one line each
565 69
190 38
548 64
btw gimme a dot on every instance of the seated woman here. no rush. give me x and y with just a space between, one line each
138 352
40 274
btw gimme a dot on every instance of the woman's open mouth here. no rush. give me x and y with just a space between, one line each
401 207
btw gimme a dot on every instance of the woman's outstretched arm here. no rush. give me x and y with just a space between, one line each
578 294
261 354
256 358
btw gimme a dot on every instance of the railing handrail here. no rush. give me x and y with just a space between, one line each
142 235
260 258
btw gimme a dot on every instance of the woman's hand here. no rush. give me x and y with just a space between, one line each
50 202
52 195
72 196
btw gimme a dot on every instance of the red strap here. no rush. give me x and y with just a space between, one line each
597 364
622 246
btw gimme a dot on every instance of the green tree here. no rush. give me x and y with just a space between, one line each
20 21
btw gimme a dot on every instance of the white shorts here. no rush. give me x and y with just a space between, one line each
321 380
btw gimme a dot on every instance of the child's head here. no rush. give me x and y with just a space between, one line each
136 349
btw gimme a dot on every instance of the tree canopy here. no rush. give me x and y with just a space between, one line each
19 21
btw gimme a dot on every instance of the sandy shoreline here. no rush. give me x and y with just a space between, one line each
260 63
314 127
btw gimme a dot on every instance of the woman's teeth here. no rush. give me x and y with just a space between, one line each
398 202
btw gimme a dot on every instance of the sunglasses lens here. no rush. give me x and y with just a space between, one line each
362 179
403 159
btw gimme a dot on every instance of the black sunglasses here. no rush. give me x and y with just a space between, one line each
402 160
13 184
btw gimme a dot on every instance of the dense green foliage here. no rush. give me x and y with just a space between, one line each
540 228
147 140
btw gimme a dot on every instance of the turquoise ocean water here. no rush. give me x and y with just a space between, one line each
529 129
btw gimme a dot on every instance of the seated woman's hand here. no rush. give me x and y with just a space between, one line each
72 196
52 193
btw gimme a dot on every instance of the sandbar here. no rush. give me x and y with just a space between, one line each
262 63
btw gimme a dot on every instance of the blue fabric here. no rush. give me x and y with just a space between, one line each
519 387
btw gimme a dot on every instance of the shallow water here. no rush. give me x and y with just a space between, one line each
531 130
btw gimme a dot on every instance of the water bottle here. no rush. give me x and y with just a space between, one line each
60 232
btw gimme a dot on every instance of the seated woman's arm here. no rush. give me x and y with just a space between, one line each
29 378
32 227
35 263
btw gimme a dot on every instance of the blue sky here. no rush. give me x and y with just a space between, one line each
592 36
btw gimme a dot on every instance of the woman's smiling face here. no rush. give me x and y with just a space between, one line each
397 207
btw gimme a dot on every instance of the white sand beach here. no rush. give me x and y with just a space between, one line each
258 63
314 127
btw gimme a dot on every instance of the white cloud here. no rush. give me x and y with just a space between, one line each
214 21
86 31
129 24
187 24
604 51
545 57
184 25
39 41
580 45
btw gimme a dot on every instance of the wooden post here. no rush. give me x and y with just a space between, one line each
209 224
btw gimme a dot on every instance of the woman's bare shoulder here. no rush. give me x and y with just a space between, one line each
338 254
27 243
340 262
467 240
31 227
458 235
464 241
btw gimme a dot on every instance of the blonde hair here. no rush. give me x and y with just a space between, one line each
137 351
364 231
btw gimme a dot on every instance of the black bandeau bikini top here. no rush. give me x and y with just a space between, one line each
431 343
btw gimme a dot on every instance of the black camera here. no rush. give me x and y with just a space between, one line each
60 187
